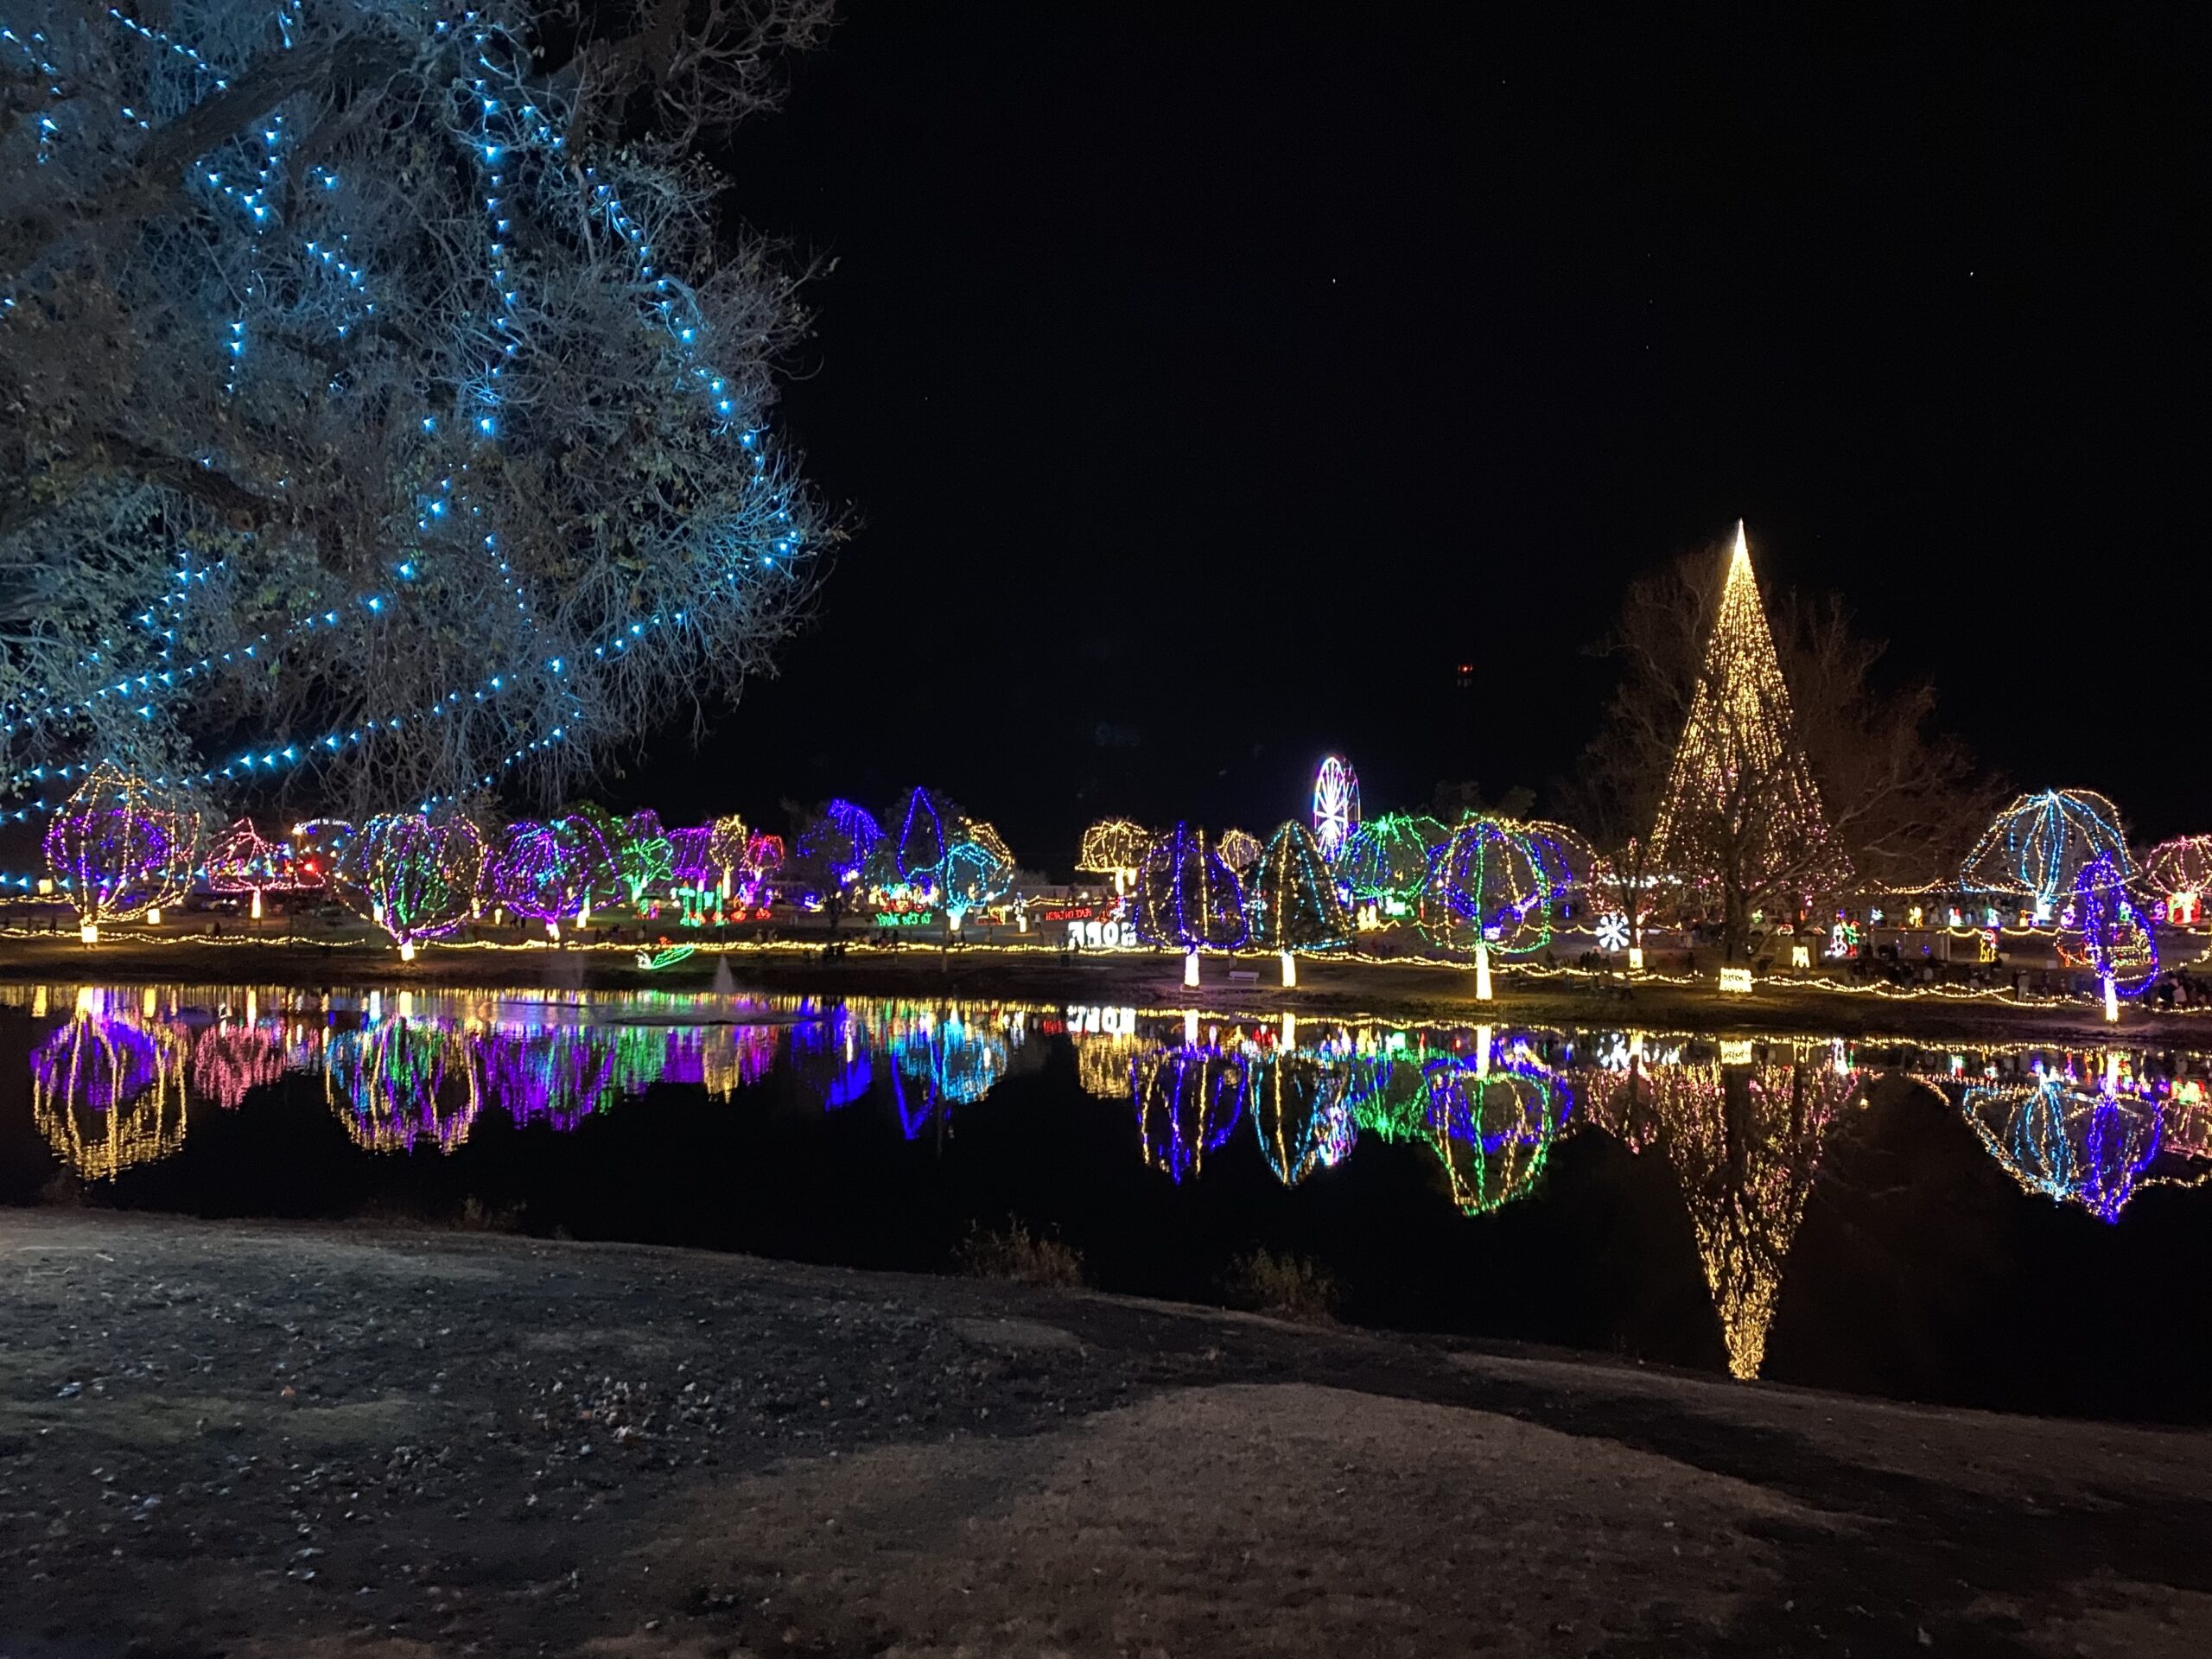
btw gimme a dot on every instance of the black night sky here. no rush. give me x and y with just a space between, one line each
1211 386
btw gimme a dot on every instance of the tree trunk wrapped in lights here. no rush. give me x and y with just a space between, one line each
1187 897
121 847
1740 818
1294 904
2117 938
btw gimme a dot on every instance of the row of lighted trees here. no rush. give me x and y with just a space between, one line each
122 849
1487 884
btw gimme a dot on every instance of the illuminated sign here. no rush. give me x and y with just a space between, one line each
1736 980
1101 936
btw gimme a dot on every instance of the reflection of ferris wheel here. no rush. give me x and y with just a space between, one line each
1336 806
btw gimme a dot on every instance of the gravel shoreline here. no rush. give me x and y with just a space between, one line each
251 1439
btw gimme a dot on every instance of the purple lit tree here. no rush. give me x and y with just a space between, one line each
556 871
120 847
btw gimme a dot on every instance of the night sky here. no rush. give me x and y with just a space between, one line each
1208 388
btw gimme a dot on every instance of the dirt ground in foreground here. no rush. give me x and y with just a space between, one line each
262 1441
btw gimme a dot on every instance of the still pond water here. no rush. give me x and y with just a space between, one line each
2019 1226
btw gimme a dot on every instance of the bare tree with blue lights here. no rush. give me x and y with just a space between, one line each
381 403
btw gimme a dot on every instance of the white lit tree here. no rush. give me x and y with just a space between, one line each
377 382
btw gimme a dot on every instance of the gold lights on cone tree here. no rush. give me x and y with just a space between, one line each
1741 815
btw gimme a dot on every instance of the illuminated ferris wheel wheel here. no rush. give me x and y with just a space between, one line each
1336 806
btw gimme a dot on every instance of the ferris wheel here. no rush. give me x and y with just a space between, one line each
1336 806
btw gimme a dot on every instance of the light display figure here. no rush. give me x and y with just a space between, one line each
121 849
1336 806
1294 904
1114 846
108 1088
2038 847
1187 897
1740 816
240 861
414 876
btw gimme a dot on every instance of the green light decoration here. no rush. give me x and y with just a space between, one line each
1490 889
1388 1095
1386 860
1492 1126
643 855
1301 1115
666 956
1294 903
415 877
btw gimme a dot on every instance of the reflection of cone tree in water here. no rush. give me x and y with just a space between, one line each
1745 1141
107 1092
1300 1115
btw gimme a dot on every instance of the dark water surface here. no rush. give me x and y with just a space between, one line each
2019 1226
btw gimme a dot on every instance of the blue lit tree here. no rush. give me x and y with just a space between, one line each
1187 896
378 385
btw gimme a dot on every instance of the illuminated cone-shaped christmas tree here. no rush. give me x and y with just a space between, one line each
1294 901
1741 813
